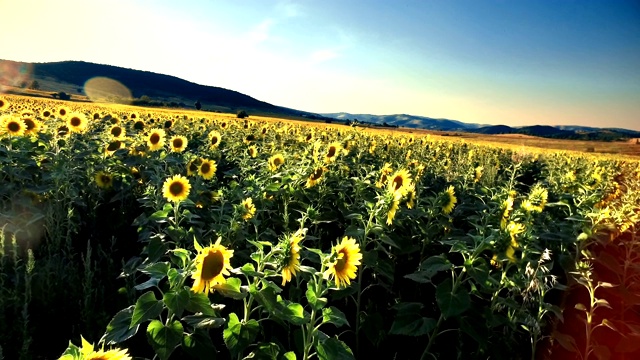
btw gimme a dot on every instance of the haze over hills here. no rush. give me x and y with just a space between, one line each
423 122
71 76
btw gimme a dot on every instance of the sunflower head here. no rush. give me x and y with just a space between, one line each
247 209
77 122
178 143
176 188
104 180
193 166
252 151
212 264
332 151
155 140
276 161
316 176
450 200
214 139
88 353
4 104
116 131
114 146
13 126
207 169
32 126
138 125
399 183
343 262
290 260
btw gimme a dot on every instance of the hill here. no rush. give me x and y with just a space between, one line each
71 76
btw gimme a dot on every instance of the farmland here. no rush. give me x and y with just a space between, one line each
140 232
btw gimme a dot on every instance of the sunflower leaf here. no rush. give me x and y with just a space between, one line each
316 302
334 316
177 300
452 303
164 339
199 303
118 329
333 349
201 321
147 307
199 345
231 289
238 335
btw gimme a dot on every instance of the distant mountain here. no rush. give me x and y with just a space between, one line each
70 76
404 120
423 122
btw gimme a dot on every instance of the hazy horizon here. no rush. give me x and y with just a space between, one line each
513 63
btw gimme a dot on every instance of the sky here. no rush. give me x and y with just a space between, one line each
513 62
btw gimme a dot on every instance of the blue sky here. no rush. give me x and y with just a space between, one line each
493 62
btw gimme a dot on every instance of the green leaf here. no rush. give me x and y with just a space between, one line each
435 264
249 270
199 303
118 329
292 312
177 300
180 257
290 355
408 320
176 277
265 351
334 316
164 339
201 321
231 289
266 297
147 308
315 302
199 346
451 303
155 249
333 349
238 335
159 216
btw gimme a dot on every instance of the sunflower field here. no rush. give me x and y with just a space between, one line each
139 233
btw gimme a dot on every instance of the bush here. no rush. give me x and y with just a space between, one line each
242 114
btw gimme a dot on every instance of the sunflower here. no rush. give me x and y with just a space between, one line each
345 257
212 263
332 152
514 229
400 183
116 131
207 169
249 139
252 151
478 173
316 176
138 125
193 166
63 112
384 173
291 258
77 122
248 209
32 125
155 140
214 139
395 205
4 104
538 198
13 126
178 143
450 200
88 353
114 146
103 180
176 188
411 201
276 161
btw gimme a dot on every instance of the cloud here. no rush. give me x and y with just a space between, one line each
261 32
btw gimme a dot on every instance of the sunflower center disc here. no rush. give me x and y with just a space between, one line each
212 265
14 126
76 121
341 263
177 143
155 138
176 188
